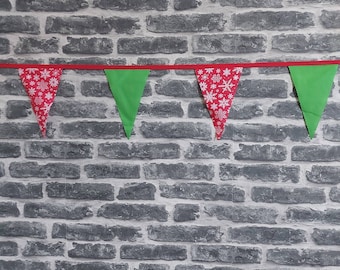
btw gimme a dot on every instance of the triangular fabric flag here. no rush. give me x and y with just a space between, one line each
41 85
218 86
313 85
127 87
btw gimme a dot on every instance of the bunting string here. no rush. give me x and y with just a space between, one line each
172 67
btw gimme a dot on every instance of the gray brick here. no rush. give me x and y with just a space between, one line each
154 61
9 150
186 4
18 109
191 60
272 21
5 5
36 45
58 150
331 132
184 233
330 19
332 111
56 210
8 248
304 257
203 191
92 251
80 191
13 71
252 3
94 232
260 172
298 214
159 5
20 190
254 133
177 88
74 109
229 43
19 24
4 45
265 235
43 249
20 130
326 237
276 70
50 170
153 252
225 254
24 265
133 212
92 130
298 43
304 2
8 209
22 229
242 214
95 89
288 195
12 87
297 133
63 265
147 266
90 25
324 175
207 151
189 267
262 89
139 150
334 194
152 45
186 212
162 109
178 171
261 152
46 5
2 169
88 46
119 171
285 109
185 23
137 191
316 153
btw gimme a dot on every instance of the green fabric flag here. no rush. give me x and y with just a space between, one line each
127 87
313 85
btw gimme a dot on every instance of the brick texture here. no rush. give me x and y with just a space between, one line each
264 197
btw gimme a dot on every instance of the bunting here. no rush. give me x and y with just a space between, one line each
218 88
41 85
313 85
127 87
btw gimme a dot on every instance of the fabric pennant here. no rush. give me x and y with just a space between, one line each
313 85
127 87
218 88
41 85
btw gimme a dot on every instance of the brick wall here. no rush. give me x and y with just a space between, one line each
171 197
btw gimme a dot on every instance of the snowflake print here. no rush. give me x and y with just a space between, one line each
218 88
227 85
210 96
41 85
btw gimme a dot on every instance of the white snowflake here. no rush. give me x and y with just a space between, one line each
28 76
230 96
21 71
48 95
238 70
226 72
218 70
45 74
42 85
53 82
236 77
32 83
216 78
224 103
214 106
213 86
221 114
218 130
31 91
220 95
56 72
209 70
204 77
38 100
227 85
203 86
36 77
31 70
200 72
46 108
210 96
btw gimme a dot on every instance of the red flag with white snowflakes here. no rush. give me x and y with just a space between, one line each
41 85
218 86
